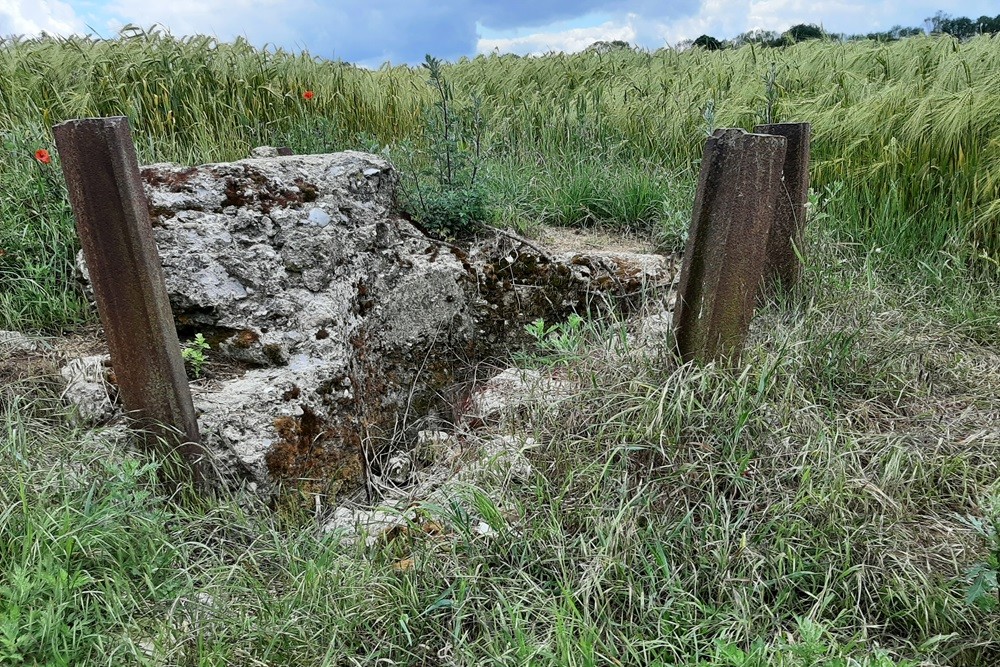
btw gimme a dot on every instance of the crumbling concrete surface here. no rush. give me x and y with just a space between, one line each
342 328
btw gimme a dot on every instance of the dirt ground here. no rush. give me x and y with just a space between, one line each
570 239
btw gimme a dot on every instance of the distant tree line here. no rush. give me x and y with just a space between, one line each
963 27
941 23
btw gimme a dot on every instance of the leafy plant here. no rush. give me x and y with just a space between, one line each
810 645
562 341
444 192
984 586
818 206
194 354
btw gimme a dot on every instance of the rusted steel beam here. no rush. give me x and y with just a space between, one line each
725 255
785 242
112 219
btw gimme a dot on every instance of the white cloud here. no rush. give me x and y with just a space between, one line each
403 30
720 18
724 18
728 18
570 41
265 19
782 14
31 17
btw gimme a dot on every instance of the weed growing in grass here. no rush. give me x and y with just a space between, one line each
559 343
444 192
808 644
194 354
984 588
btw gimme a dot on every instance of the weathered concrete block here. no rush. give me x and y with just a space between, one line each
725 257
785 241
342 329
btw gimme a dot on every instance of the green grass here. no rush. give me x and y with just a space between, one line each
806 508
575 190
38 242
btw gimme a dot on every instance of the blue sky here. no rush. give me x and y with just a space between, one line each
402 31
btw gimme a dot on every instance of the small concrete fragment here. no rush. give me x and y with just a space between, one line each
399 468
512 390
435 446
354 523
505 453
88 390
12 342
653 332
624 272
264 152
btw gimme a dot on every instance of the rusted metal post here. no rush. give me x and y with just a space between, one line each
784 243
105 190
725 256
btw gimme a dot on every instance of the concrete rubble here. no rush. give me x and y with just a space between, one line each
89 390
345 342
13 342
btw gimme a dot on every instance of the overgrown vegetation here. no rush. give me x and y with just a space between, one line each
609 136
194 354
832 501
443 190
810 507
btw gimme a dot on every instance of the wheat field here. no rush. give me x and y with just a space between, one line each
910 129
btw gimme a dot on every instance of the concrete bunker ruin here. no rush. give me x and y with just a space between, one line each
339 329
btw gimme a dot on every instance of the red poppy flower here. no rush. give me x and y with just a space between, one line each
43 156
308 95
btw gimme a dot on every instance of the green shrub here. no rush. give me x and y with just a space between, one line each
442 190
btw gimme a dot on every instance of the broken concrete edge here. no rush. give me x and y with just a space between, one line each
493 405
